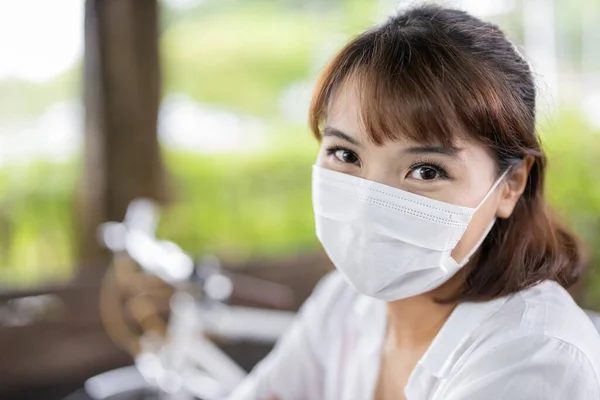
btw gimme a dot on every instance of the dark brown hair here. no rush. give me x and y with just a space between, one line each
432 73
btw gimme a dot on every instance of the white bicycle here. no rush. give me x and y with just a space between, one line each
166 310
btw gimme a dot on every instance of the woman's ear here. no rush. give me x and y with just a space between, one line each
513 187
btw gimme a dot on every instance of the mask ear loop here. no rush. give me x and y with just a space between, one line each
494 186
479 242
491 224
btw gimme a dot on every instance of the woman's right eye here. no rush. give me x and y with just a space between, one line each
346 156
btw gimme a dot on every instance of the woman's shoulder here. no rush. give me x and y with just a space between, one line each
546 310
542 321
535 344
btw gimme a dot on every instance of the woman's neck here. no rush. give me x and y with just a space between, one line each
414 322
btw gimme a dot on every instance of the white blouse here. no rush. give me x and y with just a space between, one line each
533 345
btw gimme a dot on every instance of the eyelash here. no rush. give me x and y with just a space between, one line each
334 149
439 167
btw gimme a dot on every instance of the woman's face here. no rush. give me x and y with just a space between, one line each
462 177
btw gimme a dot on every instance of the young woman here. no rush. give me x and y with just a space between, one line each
428 197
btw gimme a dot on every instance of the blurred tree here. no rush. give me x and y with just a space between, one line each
121 93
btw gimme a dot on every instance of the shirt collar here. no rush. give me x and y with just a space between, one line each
463 321
443 351
371 316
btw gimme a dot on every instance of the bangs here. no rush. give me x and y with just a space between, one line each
425 90
397 106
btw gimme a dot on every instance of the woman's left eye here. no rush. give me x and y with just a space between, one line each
426 173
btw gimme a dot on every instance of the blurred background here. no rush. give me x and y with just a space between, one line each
202 105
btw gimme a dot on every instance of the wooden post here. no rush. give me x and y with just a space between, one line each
121 158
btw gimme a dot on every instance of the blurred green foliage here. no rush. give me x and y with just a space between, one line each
250 55
573 188
240 206
22 98
36 222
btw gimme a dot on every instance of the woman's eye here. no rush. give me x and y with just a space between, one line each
425 173
346 156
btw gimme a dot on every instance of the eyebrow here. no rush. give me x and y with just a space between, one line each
433 149
329 131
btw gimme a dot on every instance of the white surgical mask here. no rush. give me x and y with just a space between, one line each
388 243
